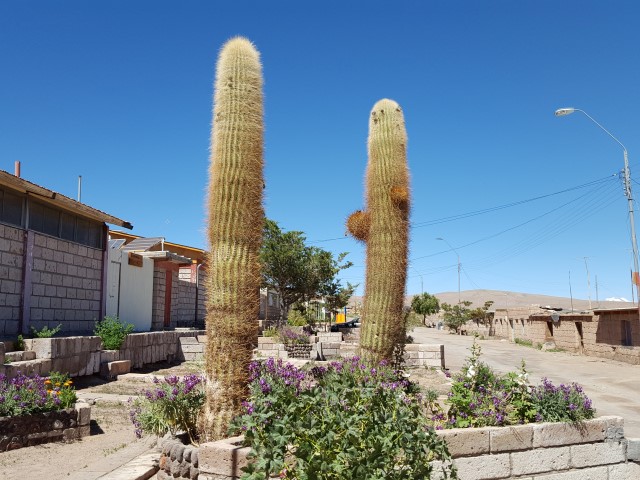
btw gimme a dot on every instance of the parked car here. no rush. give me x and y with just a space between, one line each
354 322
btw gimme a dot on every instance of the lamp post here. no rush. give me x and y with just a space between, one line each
627 190
458 255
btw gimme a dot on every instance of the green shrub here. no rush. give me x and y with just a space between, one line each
295 318
480 398
523 342
24 395
45 332
344 421
270 332
171 406
19 345
566 403
112 332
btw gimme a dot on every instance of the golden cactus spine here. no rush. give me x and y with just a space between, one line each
384 227
235 220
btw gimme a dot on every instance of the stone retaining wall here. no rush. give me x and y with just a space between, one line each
595 450
178 460
79 356
46 427
422 354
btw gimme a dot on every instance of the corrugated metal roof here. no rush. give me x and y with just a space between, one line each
142 244
62 201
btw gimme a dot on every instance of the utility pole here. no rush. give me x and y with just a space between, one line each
570 291
588 281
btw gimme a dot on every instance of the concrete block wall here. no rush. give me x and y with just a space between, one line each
11 276
596 449
422 354
159 292
66 281
270 347
79 356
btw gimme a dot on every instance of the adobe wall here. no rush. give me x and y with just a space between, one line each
11 261
608 333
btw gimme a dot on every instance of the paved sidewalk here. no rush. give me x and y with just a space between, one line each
134 462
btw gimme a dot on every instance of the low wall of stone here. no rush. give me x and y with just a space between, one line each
178 461
594 450
79 356
423 354
46 427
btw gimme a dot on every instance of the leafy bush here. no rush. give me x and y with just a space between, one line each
24 395
19 345
566 403
295 318
270 332
172 406
479 398
343 421
46 332
112 332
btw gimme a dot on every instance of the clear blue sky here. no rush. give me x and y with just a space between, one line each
120 92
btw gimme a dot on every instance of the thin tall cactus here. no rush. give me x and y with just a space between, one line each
384 227
235 221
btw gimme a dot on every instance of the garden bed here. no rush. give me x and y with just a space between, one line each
44 427
594 448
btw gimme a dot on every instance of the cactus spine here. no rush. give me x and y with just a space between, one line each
384 227
235 221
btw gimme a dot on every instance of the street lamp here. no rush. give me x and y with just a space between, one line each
561 112
458 255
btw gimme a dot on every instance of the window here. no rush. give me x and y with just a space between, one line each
57 223
11 208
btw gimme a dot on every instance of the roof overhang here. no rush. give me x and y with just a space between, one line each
59 200
166 257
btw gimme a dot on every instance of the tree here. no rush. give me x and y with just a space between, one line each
456 316
296 272
337 297
425 304
480 313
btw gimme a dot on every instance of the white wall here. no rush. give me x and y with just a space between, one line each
130 290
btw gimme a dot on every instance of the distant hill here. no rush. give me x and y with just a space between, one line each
504 299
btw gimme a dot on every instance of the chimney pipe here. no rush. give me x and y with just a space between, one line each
16 169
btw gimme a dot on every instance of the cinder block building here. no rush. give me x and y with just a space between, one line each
53 252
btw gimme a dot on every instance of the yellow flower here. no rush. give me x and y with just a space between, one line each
59 392
47 382
57 384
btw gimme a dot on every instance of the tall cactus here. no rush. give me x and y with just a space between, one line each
384 227
235 221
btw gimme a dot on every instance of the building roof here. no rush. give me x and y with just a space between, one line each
198 255
57 199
